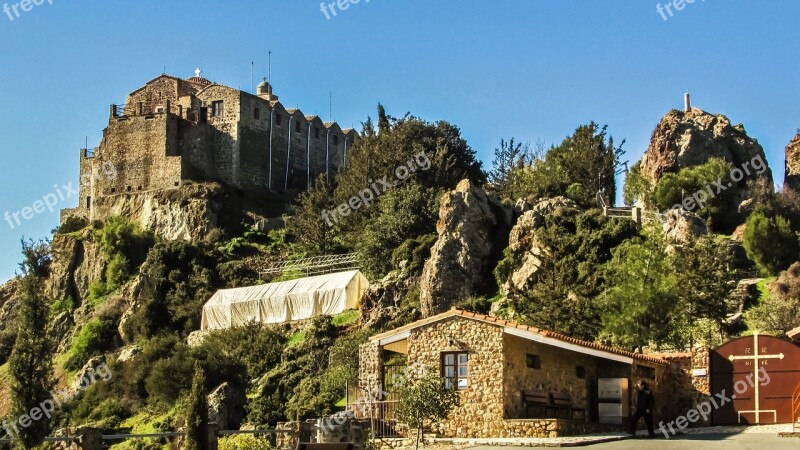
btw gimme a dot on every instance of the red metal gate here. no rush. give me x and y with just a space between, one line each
757 376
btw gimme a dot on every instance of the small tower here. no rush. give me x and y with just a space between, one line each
264 91
687 103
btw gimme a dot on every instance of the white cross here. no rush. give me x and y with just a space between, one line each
756 357
197 72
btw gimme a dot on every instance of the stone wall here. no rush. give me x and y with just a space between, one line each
480 412
369 367
558 373
141 150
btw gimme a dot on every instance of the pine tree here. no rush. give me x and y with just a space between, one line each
30 363
197 412
508 158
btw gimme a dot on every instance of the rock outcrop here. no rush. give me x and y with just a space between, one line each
226 406
187 213
383 302
792 179
681 226
77 262
472 230
522 241
686 139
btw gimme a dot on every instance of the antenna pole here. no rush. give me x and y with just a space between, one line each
252 86
330 107
269 73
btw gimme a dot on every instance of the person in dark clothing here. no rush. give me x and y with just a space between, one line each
645 403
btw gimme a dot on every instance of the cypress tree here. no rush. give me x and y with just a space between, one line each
197 412
30 364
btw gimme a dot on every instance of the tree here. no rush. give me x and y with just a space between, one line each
779 311
770 242
36 257
720 207
31 360
509 159
588 159
312 224
425 397
573 247
197 412
639 308
704 268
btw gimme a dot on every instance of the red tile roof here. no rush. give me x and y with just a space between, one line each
659 359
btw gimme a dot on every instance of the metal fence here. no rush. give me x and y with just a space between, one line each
318 265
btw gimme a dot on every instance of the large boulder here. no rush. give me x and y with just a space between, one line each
681 226
472 230
226 406
686 139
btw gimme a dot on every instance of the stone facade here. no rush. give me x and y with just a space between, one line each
174 130
499 369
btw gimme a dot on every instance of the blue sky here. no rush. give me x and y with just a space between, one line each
528 69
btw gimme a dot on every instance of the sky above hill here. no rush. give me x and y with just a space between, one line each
533 70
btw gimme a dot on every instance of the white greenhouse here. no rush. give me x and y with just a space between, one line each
286 301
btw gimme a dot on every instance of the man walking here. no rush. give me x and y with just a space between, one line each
645 403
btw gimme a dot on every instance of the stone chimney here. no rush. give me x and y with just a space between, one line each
687 103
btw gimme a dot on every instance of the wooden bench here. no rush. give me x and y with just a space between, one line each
563 402
555 402
535 399
325 446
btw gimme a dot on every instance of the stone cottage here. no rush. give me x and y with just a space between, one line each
492 361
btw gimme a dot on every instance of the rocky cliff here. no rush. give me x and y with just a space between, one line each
686 139
792 180
188 213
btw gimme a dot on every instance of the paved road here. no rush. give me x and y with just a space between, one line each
697 441
707 442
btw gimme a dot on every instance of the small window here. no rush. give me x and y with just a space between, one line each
177 183
297 127
217 108
316 133
455 369
533 361
278 119
88 202
256 114
580 372
129 188
113 190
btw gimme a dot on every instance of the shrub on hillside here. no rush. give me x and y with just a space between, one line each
94 338
770 242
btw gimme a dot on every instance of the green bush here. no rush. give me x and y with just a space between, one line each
72 224
125 247
770 242
66 304
95 337
171 378
416 251
244 442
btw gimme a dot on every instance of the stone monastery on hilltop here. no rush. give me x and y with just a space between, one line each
174 130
